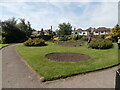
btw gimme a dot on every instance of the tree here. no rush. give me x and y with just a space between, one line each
10 33
25 27
42 32
65 29
115 32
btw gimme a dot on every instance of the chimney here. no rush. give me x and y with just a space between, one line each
51 28
74 29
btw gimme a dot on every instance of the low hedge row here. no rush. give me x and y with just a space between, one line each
101 44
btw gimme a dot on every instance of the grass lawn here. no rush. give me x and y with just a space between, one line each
3 45
35 56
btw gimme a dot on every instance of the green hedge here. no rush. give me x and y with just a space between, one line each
45 37
101 44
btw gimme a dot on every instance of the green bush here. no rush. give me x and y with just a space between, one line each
85 38
80 36
46 37
101 44
35 42
64 39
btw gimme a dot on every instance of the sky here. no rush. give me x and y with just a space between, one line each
45 14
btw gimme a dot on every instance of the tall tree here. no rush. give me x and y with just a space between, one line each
25 27
65 29
10 33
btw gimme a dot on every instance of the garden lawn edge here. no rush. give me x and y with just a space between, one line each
26 63
65 76
4 46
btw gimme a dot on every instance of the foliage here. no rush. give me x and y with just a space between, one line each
102 36
108 37
13 32
80 36
85 38
65 38
42 32
115 32
34 42
64 29
46 37
10 33
71 43
56 39
74 37
101 44
25 27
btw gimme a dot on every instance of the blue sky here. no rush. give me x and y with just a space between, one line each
46 14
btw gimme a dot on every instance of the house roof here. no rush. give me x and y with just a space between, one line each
80 30
46 31
102 29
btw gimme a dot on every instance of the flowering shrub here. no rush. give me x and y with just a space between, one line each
108 37
56 39
74 37
35 42
101 44
64 39
94 39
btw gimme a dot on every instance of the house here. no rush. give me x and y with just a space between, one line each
79 31
36 33
92 31
47 32
101 31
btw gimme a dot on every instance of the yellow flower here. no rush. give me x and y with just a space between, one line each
108 37
56 38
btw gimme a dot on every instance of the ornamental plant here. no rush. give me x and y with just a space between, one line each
35 42
101 44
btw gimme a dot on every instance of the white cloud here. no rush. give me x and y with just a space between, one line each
59 0
43 15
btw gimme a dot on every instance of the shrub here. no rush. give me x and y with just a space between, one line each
74 37
101 44
85 38
80 36
108 37
35 42
103 36
64 39
56 39
46 37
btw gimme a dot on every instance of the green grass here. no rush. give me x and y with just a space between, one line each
3 45
35 56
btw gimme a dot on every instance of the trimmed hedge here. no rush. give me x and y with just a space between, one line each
35 42
101 44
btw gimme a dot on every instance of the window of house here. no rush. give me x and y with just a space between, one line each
96 32
102 32
75 32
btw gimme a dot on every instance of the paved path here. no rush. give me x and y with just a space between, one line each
16 74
